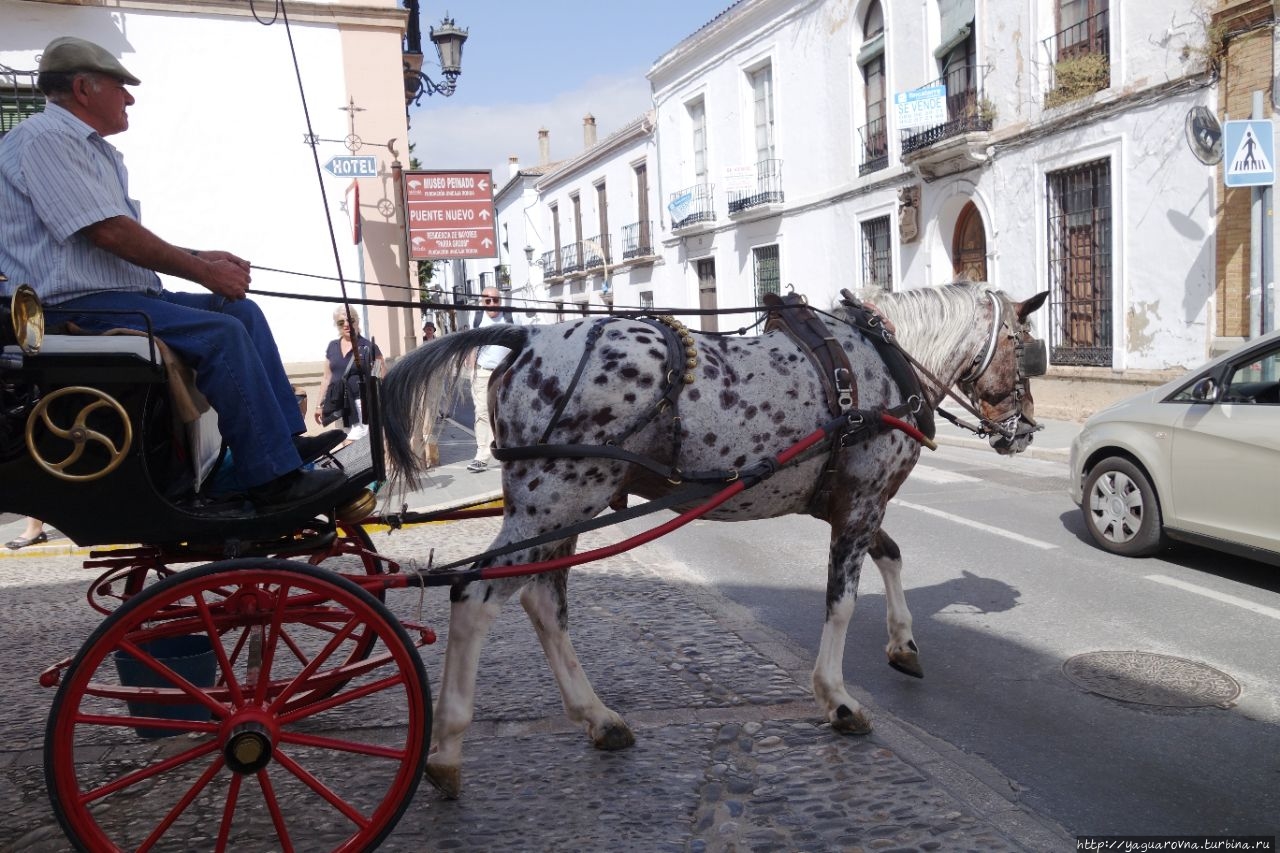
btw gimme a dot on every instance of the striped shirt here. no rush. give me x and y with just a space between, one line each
57 176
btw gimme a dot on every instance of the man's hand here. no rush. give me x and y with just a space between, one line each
226 275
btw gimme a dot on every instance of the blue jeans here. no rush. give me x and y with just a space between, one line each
237 366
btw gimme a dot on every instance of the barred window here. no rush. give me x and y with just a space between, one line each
767 271
1079 205
19 98
646 300
877 254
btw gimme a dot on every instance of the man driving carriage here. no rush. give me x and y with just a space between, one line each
69 229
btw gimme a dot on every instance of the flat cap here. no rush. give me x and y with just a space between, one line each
69 54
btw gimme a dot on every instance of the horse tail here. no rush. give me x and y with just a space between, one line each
423 382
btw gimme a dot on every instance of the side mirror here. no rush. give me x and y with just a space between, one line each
1205 391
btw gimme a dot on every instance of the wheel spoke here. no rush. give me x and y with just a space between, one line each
181 805
144 773
323 790
217 708
228 812
224 662
273 640
310 709
320 742
299 681
273 806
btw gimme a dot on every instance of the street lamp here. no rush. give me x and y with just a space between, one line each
448 39
528 256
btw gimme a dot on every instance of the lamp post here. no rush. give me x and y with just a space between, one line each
448 39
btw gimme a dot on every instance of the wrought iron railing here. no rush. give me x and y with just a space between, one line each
1090 36
570 257
550 263
19 97
1081 57
968 110
637 240
595 251
768 189
692 205
875 147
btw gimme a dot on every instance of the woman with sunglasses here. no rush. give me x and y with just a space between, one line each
339 362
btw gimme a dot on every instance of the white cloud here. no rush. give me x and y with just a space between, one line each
457 136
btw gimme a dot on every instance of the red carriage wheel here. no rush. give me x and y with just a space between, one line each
160 738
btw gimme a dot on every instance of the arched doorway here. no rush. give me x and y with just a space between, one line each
969 245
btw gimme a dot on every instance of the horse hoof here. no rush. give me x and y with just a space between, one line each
445 779
908 663
849 722
614 737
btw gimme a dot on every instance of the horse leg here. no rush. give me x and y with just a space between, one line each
848 547
904 655
472 610
545 601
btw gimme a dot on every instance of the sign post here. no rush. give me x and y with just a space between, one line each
450 215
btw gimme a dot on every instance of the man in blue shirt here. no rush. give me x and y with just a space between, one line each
69 229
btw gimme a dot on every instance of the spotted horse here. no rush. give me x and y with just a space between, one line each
590 411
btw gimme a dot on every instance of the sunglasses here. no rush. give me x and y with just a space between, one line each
340 323
488 299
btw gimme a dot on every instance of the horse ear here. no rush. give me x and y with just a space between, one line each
1029 306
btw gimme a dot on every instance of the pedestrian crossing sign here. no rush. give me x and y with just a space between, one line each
1250 153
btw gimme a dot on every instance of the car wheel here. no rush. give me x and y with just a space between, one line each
1121 509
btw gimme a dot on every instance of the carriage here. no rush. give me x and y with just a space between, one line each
244 657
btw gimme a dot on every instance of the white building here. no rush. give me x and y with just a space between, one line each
1057 160
217 150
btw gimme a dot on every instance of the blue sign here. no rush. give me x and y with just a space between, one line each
352 167
680 206
1249 153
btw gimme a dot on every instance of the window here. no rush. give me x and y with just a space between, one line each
698 123
642 246
767 271
875 140
19 98
555 239
1079 202
1082 28
646 300
762 99
877 254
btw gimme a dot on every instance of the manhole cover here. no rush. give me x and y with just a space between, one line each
1151 679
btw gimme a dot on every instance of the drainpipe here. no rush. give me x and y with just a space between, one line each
404 315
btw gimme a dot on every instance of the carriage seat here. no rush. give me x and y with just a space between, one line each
204 441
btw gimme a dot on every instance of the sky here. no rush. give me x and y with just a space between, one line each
531 65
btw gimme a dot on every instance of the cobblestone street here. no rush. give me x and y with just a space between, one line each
729 753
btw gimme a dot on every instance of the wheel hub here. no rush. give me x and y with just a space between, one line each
249 748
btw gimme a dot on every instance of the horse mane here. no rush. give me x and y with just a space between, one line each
934 323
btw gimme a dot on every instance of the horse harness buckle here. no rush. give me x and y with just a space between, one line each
793 316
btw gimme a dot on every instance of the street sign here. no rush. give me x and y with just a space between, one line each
1249 153
925 107
352 167
450 215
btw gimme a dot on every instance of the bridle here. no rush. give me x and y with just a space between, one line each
1030 358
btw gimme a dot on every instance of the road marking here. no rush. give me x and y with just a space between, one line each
937 475
1025 540
1261 609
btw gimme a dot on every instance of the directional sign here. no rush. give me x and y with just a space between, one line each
352 167
1249 153
450 215
926 107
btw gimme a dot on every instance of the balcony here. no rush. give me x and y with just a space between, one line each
637 240
875 147
595 252
1081 57
959 143
765 199
551 263
692 209
570 258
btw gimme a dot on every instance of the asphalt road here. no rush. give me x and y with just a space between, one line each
1004 588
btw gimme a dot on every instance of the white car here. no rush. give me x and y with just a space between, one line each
1196 460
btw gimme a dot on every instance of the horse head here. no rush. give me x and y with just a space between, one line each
999 387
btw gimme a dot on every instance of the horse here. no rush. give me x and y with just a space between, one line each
589 411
